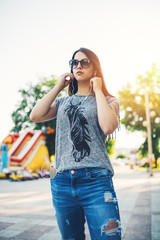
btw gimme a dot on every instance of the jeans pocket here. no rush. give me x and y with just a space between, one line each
99 173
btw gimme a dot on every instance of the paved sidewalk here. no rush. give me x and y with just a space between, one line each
139 201
26 211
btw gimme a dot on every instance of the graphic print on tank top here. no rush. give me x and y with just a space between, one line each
79 131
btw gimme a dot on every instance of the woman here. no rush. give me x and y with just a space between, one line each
82 188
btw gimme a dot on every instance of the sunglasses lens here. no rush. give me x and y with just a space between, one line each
73 63
85 63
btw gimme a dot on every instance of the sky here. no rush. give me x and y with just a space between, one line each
38 38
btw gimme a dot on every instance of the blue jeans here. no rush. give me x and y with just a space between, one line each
86 194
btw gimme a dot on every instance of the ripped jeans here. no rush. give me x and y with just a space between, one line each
86 194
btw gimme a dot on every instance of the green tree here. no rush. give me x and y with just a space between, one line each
121 155
132 102
110 146
29 97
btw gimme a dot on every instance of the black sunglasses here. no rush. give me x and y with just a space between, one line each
85 63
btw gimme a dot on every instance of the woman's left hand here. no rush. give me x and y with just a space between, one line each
96 83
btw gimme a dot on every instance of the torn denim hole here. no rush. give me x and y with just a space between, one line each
112 227
109 198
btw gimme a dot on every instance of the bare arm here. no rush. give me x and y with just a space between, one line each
107 117
45 108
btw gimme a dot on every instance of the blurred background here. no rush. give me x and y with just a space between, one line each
37 40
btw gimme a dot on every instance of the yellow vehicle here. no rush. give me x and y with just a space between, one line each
16 177
2 175
35 175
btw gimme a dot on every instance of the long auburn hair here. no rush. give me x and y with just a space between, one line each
73 86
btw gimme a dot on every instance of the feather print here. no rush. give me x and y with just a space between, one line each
79 131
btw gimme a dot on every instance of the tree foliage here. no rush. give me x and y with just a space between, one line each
109 144
132 102
121 155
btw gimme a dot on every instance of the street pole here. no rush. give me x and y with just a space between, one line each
148 132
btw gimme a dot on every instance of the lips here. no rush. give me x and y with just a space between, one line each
79 72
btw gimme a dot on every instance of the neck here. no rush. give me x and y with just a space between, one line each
84 89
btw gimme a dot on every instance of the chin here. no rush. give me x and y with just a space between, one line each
81 79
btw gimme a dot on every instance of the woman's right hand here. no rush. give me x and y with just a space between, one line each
45 109
63 82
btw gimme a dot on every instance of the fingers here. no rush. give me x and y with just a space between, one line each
65 79
96 83
68 76
93 80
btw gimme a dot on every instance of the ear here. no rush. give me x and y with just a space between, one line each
95 73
